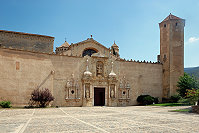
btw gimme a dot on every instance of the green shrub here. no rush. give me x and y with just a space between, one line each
5 104
174 98
156 100
185 101
41 98
146 100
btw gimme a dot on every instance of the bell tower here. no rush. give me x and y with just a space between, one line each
171 53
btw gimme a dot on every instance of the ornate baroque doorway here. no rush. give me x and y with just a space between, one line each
99 96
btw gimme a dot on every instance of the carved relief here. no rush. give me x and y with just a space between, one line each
72 89
99 68
124 89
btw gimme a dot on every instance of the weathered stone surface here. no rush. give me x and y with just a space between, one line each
171 53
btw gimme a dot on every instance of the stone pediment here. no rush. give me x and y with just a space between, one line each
89 40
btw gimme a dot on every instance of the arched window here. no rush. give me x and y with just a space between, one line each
88 52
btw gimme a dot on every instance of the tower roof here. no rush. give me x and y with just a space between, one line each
65 44
114 45
171 17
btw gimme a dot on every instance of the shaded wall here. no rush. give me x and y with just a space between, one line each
26 41
21 73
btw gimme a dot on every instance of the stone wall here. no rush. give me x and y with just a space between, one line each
26 41
66 69
22 72
144 78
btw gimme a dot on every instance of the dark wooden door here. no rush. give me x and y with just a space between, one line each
99 96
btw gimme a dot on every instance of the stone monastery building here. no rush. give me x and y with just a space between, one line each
87 73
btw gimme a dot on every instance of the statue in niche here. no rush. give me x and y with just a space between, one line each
112 94
99 68
87 93
112 91
87 90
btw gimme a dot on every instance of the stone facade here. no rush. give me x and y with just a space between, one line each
26 41
83 74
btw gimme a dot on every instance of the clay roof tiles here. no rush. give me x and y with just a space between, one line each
65 44
170 17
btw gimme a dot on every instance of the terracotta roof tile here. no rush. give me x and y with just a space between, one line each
170 17
65 44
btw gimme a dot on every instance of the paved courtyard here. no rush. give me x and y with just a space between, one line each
98 119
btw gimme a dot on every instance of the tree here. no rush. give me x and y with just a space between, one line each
193 95
41 98
186 82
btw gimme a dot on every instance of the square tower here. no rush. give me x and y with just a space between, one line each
171 52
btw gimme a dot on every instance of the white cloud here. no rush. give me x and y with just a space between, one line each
193 39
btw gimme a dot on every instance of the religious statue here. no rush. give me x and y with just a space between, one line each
112 94
87 93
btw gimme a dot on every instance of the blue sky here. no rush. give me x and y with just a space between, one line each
133 24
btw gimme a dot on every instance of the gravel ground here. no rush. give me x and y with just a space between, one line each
98 119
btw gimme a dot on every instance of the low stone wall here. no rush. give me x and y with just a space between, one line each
195 109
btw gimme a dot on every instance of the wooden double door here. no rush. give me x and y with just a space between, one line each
99 96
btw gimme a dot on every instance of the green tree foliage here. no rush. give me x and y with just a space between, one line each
186 82
193 95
